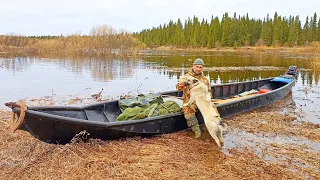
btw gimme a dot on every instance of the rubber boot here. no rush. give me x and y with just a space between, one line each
196 130
193 123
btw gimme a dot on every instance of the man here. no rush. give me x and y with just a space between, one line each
189 111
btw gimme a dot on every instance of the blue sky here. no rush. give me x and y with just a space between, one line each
39 17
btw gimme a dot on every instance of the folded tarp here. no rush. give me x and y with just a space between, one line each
142 100
150 111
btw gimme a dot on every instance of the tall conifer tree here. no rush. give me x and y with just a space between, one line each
313 28
266 31
306 31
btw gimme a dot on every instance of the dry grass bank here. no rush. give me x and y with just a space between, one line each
120 44
314 47
171 156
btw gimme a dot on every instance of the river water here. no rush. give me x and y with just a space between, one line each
62 79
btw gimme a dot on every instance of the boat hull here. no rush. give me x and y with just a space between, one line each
60 131
48 125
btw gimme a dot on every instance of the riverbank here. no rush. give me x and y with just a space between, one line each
268 143
26 51
313 48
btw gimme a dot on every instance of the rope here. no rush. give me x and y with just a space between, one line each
17 120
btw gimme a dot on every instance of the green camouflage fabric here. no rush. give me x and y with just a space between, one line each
149 111
131 114
142 100
162 109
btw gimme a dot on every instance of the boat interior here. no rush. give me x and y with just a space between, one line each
109 111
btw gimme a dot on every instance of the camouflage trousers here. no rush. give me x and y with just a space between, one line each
189 114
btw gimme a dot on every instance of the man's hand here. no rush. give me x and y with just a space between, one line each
181 84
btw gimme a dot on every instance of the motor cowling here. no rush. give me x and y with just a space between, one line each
293 70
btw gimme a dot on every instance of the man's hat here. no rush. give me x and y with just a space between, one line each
198 61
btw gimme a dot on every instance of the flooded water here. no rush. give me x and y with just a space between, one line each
62 79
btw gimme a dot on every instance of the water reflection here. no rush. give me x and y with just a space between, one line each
108 69
29 77
101 69
309 72
16 64
219 59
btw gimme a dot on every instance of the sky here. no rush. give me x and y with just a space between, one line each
67 17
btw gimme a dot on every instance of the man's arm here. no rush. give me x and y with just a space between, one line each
180 85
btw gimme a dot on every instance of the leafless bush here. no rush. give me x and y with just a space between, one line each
260 42
102 30
14 40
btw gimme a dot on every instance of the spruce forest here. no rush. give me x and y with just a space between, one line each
233 32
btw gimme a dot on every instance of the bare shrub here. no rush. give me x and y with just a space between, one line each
102 30
260 42
276 44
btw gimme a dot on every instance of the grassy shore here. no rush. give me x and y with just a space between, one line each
58 48
260 144
313 48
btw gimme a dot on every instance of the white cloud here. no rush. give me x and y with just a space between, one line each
35 17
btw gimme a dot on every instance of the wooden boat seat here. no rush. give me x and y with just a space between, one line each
232 99
111 115
96 115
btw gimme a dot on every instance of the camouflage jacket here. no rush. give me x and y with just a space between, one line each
186 89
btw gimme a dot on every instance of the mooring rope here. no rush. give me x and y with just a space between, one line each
17 120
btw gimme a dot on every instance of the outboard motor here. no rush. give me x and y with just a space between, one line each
293 70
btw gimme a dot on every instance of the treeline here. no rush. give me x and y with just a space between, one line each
233 32
101 41
46 37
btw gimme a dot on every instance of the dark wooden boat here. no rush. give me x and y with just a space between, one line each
60 124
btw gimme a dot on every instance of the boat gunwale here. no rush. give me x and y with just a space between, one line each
258 95
101 124
32 111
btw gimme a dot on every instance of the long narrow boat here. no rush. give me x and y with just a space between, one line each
60 124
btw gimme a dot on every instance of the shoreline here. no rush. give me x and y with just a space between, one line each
307 49
297 50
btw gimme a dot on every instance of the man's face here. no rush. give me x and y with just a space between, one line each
197 68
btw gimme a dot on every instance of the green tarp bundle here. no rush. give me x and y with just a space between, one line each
141 100
146 106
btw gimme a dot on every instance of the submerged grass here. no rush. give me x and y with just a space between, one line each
170 156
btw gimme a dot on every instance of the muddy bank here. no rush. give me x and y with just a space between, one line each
268 143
